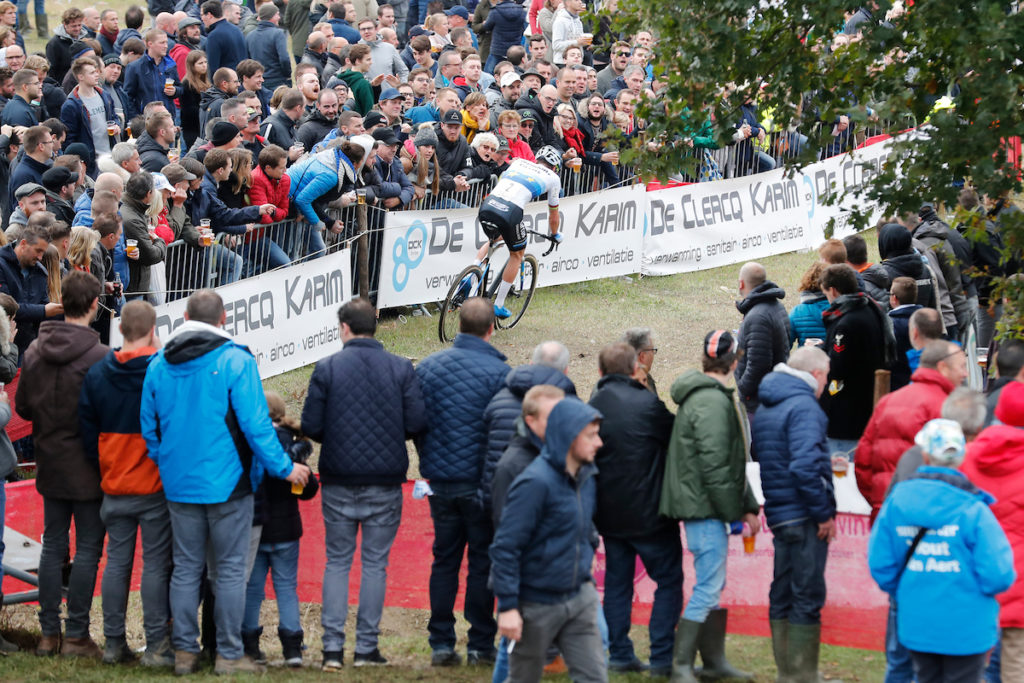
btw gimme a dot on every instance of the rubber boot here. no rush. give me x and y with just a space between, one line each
251 645
684 651
711 644
780 648
803 646
23 25
291 646
42 26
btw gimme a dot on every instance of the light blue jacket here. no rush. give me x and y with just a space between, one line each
205 419
947 593
315 176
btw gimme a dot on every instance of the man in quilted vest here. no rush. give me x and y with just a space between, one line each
363 403
458 384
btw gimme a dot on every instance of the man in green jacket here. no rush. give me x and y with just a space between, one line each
706 486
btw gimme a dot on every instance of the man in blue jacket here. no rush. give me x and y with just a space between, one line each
363 403
543 549
153 77
24 279
38 143
212 451
225 44
395 189
268 45
458 383
959 560
788 439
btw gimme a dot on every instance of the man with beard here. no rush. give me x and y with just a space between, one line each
189 38
323 119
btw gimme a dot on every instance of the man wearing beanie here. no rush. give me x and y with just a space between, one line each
706 487
543 550
994 462
937 548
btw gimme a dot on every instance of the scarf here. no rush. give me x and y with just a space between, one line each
574 137
112 37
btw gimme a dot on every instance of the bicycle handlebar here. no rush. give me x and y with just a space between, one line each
550 238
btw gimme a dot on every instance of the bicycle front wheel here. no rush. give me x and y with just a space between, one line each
519 297
448 321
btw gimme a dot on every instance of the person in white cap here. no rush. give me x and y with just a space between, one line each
937 548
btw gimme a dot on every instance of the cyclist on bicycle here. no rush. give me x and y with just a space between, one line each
501 213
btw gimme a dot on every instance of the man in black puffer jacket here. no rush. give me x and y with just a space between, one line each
542 103
363 403
455 156
858 341
548 365
764 333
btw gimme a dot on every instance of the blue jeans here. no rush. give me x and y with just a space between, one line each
461 526
262 254
798 586
89 533
40 8
993 673
306 242
226 527
228 264
376 511
282 560
708 541
899 667
662 555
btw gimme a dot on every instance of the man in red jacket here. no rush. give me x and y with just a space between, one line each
897 419
993 463
899 416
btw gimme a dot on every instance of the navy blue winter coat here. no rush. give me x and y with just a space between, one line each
27 171
788 440
542 548
458 383
225 46
18 112
30 292
206 204
76 119
363 403
507 22
506 407
144 83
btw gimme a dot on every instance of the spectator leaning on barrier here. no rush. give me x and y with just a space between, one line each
396 190
362 471
52 373
788 439
458 383
706 486
764 332
24 279
635 433
210 499
133 498
939 512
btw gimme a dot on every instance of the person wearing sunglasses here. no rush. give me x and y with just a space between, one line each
619 61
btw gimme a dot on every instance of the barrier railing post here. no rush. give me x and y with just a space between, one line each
364 252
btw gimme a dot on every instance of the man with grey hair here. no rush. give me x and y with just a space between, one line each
764 332
502 417
788 437
123 160
642 341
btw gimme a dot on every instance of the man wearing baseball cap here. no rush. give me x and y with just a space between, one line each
511 88
390 105
395 187
705 485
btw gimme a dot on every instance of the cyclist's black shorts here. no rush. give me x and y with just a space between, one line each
501 218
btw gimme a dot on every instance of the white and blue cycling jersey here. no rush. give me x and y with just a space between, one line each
525 181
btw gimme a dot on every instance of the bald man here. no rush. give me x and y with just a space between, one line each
764 333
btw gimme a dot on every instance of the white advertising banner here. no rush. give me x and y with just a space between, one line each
705 225
288 317
424 251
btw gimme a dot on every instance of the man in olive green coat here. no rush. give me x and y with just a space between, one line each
706 486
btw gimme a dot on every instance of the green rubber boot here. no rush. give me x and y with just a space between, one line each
780 649
42 26
804 646
684 651
711 645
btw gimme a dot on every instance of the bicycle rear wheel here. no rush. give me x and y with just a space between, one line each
448 321
519 297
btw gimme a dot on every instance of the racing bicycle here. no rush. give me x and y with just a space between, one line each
482 280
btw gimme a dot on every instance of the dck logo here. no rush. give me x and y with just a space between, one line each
408 253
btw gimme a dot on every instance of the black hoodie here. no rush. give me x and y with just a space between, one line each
900 260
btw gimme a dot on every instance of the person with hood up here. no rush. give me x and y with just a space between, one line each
543 551
318 179
953 254
993 463
133 500
52 372
788 440
937 548
900 260
635 433
706 486
210 498
764 332
858 340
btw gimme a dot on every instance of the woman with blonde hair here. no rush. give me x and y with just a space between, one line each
81 254
51 262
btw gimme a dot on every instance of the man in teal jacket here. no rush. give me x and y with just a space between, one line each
207 427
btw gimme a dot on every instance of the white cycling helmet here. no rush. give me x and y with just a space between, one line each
551 156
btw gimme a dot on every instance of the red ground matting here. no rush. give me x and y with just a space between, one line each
854 616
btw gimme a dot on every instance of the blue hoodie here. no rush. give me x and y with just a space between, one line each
947 592
542 550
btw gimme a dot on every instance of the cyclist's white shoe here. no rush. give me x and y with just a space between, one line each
558 237
502 312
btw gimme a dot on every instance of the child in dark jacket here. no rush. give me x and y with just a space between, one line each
279 544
